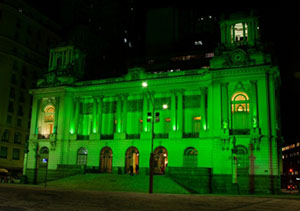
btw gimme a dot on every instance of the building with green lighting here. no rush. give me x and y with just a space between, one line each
214 129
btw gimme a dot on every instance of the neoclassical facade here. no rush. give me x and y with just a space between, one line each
216 126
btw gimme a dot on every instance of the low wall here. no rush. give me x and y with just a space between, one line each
36 176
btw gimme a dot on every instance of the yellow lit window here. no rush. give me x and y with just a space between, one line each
239 32
240 110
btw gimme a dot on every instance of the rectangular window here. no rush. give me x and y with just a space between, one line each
10 107
13 79
20 111
16 154
9 119
19 122
192 101
15 66
3 152
12 93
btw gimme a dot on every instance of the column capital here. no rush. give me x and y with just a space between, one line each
77 99
225 84
178 91
203 90
98 98
125 96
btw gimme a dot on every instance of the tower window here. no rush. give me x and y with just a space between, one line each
240 110
239 32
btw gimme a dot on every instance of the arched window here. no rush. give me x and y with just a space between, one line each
190 157
44 156
240 111
49 113
82 156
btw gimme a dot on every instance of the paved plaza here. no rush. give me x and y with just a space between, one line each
30 197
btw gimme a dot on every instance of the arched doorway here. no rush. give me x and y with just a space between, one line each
106 160
243 168
82 156
43 157
190 157
160 160
132 159
242 160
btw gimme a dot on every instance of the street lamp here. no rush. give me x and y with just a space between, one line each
145 85
164 106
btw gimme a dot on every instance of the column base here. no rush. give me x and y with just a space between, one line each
175 134
146 135
203 134
95 136
73 136
119 136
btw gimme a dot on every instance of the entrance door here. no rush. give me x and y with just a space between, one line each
132 159
106 160
160 160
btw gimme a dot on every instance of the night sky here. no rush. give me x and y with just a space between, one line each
279 31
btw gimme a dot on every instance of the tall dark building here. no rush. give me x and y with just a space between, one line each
25 38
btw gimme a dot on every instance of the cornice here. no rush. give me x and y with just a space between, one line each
241 71
160 84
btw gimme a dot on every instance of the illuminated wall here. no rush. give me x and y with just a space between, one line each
223 118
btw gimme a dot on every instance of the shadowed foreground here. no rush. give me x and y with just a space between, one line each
29 197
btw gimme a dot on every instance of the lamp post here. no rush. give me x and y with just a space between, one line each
145 85
165 106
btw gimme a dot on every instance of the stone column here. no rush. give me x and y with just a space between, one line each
173 111
119 114
224 104
145 113
203 108
99 116
124 114
77 109
272 103
253 105
94 128
34 129
244 32
67 57
50 59
55 126
179 111
233 33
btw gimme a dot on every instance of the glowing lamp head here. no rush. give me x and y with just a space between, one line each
145 84
165 106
